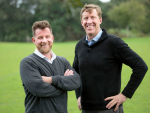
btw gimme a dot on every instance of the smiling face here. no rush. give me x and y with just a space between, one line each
91 23
43 39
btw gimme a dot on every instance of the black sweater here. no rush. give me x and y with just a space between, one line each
99 67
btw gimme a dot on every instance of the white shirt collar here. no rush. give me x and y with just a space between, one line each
45 58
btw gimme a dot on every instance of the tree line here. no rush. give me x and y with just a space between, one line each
18 16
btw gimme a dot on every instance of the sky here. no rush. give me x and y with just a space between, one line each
105 1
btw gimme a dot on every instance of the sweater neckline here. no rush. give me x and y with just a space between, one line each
103 37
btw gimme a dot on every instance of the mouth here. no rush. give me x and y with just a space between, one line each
44 45
90 26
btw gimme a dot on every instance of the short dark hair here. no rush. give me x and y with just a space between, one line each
41 25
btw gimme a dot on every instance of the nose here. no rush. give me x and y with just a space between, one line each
44 39
89 20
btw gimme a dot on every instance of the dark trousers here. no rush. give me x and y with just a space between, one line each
119 110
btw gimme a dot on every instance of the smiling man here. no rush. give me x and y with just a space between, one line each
98 60
90 22
46 77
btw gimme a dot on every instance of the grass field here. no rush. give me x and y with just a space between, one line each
12 93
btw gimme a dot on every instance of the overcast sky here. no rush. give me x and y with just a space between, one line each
105 1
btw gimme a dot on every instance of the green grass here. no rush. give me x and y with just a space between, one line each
12 93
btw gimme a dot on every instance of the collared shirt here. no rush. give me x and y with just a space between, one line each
95 39
45 58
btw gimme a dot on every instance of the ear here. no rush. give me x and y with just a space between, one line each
33 40
81 22
100 20
53 37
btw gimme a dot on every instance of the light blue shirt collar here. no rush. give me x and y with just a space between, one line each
45 58
95 39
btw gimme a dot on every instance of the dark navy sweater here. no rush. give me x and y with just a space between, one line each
99 67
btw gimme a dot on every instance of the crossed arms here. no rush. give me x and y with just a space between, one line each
49 79
42 86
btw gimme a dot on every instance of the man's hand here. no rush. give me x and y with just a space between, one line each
68 72
79 103
47 79
115 100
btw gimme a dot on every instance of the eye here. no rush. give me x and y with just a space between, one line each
48 36
93 17
40 37
85 18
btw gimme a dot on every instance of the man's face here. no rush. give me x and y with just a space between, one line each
43 39
91 22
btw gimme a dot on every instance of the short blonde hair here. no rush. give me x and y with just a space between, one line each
89 8
40 25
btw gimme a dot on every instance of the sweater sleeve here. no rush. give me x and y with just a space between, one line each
75 66
67 83
32 80
134 61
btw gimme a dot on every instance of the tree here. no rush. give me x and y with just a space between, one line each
130 14
146 24
15 20
17 17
